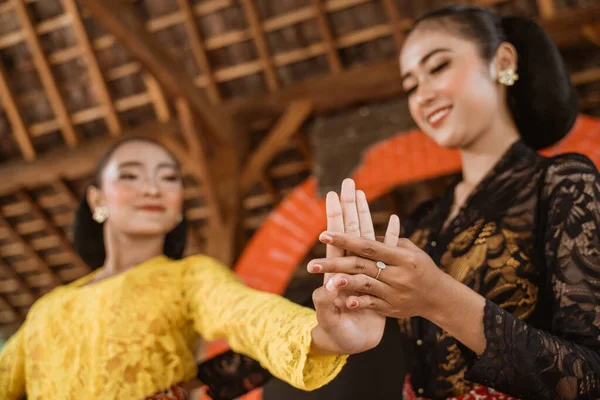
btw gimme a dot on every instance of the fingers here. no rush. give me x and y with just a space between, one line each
346 265
324 299
393 231
349 211
366 248
368 302
364 216
358 284
335 221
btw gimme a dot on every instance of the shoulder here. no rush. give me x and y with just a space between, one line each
206 266
570 169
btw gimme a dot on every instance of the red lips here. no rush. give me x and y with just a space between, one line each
152 208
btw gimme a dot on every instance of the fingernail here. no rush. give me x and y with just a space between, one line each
330 286
353 303
325 238
316 268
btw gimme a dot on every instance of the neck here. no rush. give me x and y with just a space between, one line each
483 154
124 251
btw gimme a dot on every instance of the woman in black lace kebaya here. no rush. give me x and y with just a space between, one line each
498 283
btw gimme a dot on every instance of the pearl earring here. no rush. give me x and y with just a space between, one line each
508 77
100 214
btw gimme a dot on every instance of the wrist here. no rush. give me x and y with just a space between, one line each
437 300
321 344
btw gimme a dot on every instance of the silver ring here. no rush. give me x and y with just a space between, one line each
380 267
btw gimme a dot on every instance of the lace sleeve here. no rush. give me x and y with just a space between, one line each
12 368
266 327
531 363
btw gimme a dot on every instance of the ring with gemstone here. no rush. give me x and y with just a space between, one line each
380 267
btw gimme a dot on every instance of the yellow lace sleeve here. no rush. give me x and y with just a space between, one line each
12 368
264 326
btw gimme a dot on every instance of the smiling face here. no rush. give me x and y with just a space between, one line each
453 94
142 189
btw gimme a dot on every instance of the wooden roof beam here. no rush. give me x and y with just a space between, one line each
29 251
159 102
45 72
278 137
592 33
199 50
375 81
333 57
112 118
260 42
120 19
398 26
70 163
19 128
39 214
23 285
200 164
547 8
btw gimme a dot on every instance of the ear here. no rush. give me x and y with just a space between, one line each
93 196
506 58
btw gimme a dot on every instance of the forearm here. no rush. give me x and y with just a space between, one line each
458 310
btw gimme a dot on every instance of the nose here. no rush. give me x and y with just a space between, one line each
425 94
151 188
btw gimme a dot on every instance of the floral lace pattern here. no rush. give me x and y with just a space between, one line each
129 336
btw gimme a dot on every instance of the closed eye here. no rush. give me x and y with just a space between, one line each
410 90
440 67
127 176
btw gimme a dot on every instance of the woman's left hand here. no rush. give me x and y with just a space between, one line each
408 286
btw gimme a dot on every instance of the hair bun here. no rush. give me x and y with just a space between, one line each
543 101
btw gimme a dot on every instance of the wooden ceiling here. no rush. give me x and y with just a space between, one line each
227 84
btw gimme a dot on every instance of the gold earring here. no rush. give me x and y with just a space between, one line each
508 77
100 214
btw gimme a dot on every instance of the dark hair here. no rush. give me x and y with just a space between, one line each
543 102
88 235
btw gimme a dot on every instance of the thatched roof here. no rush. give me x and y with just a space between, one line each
75 75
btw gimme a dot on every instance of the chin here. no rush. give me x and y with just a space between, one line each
149 230
447 140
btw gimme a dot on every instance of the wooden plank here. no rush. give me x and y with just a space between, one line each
6 304
261 43
547 8
16 120
287 126
333 57
29 251
43 67
61 187
23 285
70 163
393 12
41 215
161 106
120 19
200 164
199 50
586 76
354 85
111 116
592 33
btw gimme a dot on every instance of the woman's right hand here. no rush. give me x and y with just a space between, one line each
342 330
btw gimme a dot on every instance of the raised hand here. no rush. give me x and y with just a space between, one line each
408 286
341 329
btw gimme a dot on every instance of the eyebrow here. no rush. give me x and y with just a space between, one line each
427 57
139 164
